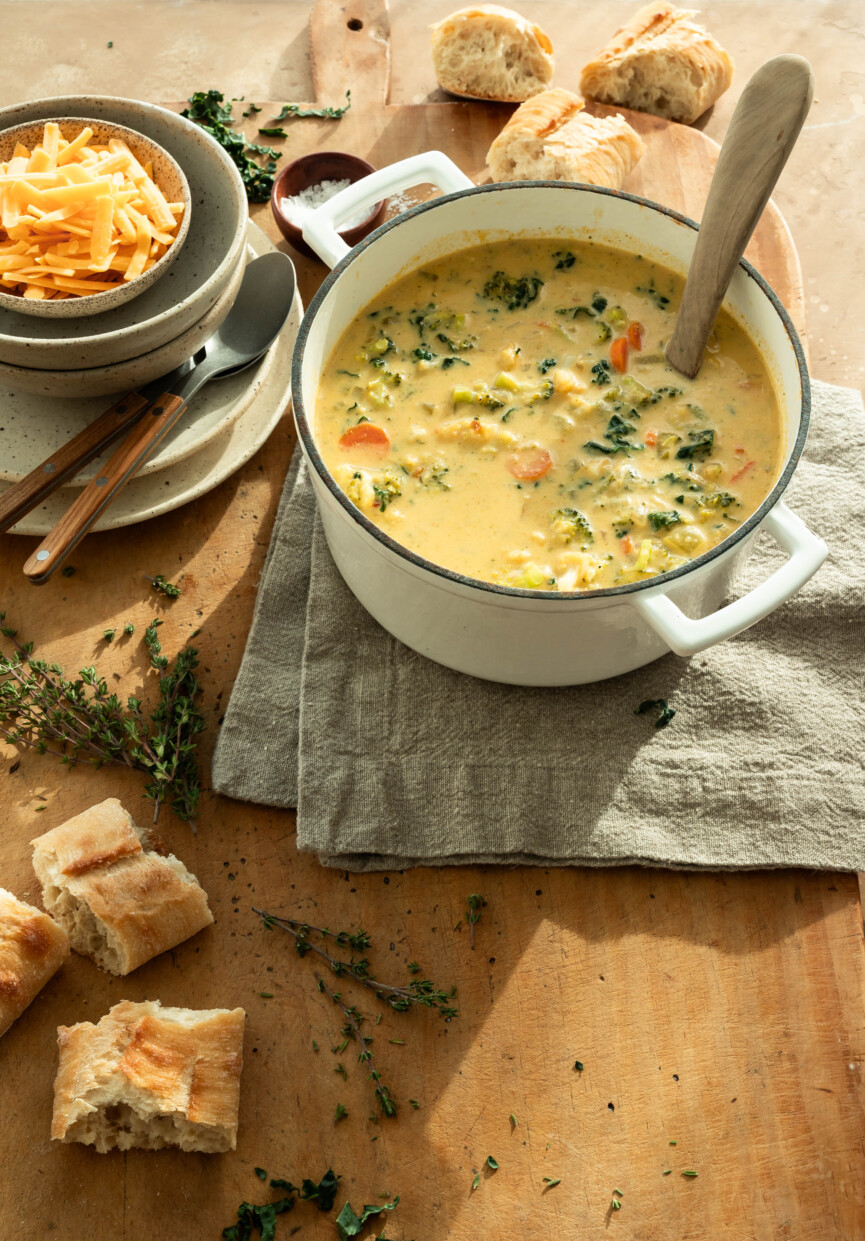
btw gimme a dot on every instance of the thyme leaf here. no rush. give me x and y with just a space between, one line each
295 110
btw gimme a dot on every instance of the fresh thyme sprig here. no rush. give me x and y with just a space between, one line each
162 587
473 914
420 992
80 721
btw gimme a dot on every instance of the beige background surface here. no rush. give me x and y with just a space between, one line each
165 49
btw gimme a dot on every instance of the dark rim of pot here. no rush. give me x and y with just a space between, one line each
463 579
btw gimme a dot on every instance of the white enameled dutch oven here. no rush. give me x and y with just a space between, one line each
534 637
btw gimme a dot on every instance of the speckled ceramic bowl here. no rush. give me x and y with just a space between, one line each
133 372
193 283
168 176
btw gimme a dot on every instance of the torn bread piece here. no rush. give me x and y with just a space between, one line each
660 62
150 1077
119 903
551 138
32 948
488 52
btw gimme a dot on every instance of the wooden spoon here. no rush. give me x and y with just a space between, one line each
762 133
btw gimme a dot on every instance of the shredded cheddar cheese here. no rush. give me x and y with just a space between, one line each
77 219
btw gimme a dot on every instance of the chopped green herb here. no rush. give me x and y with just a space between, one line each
477 1180
314 1045
340 1068
599 303
251 109
208 109
616 1205
579 1066
546 365
673 1143
667 713
108 635
516 293
422 354
475 904
492 1164
162 587
667 1173
447 363
619 1192
414 1104
385 490
68 571
513 1120
564 259
551 1182
274 132
331 114
340 1113
252 1218
129 628
398 1042
573 311
266 995
690 1172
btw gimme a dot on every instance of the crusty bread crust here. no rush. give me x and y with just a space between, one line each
551 138
492 53
32 948
150 1077
120 904
660 62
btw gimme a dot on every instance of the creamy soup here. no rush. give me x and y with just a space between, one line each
507 412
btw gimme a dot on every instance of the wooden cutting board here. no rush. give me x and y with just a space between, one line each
722 1012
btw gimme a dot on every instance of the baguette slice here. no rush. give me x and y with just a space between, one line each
660 62
119 903
487 52
551 138
150 1076
32 948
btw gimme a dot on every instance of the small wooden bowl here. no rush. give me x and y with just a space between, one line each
167 174
310 170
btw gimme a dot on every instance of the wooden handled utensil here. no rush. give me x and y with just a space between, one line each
253 323
761 135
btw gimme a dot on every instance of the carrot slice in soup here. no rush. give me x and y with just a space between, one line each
619 354
365 433
635 335
530 465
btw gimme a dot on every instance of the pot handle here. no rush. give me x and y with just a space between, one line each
687 636
433 167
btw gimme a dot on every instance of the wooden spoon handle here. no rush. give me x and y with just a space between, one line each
99 493
69 459
761 135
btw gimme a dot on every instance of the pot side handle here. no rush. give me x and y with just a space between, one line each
433 167
687 636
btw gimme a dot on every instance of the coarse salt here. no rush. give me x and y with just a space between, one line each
298 207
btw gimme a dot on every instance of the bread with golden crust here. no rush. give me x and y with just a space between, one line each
150 1077
120 903
488 52
660 62
551 138
32 948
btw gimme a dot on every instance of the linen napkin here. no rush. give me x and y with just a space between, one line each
394 761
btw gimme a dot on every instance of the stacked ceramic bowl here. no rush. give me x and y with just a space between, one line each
135 339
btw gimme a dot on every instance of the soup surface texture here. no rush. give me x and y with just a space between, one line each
507 412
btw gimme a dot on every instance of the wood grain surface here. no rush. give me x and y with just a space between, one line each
722 1012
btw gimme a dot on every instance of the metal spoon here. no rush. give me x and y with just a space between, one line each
253 323
762 133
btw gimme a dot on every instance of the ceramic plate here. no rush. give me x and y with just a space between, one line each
169 488
34 427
